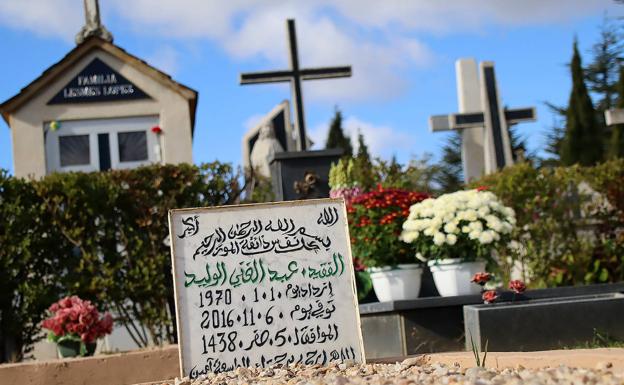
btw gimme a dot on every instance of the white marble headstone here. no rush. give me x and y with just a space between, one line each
265 284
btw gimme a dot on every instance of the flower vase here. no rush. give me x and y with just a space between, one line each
72 348
452 276
396 283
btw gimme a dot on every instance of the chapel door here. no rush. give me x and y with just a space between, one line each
102 144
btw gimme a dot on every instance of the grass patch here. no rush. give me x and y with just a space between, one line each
599 340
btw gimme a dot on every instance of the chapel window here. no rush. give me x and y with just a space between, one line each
74 150
132 146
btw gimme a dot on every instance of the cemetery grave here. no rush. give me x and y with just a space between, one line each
263 285
142 267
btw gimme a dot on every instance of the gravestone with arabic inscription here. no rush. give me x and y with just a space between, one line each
265 284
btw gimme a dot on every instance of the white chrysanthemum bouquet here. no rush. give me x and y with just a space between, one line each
464 224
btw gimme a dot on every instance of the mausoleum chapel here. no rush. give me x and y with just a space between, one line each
99 108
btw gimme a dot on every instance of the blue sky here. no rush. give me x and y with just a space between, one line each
402 53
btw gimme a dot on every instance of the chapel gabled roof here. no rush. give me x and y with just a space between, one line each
51 73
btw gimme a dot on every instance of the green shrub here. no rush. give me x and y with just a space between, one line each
570 222
31 250
101 236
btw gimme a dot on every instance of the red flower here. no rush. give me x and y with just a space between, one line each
489 296
358 265
481 278
156 130
517 286
106 324
482 188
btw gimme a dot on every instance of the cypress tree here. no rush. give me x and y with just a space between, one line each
616 144
362 152
336 137
583 139
602 72
363 166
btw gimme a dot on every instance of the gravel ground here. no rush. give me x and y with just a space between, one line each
411 371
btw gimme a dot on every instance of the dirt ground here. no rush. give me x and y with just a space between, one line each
159 365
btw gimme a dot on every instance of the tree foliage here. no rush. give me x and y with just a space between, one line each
601 76
602 72
363 169
451 177
583 141
336 137
616 142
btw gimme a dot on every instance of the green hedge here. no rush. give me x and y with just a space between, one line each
570 222
101 236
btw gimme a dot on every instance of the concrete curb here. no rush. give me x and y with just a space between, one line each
121 368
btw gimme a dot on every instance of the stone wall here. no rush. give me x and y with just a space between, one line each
123 368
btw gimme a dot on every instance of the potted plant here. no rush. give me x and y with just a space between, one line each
456 233
375 220
342 181
75 325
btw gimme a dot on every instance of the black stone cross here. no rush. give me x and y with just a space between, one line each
295 75
495 119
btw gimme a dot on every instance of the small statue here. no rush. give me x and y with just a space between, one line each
264 149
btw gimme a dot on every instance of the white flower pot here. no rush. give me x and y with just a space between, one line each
396 283
452 277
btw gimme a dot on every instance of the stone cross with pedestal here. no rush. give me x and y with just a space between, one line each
483 121
93 24
299 174
294 76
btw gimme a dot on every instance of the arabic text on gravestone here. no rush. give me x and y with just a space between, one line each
248 303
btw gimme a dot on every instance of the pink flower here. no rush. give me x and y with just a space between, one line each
72 315
65 303
481 278
489 296
517 286
348 193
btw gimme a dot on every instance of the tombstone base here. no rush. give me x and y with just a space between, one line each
302 174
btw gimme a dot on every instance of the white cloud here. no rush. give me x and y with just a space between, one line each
166 59
458 16
181 18
377 65
46 18
253 121
382 140
376 38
